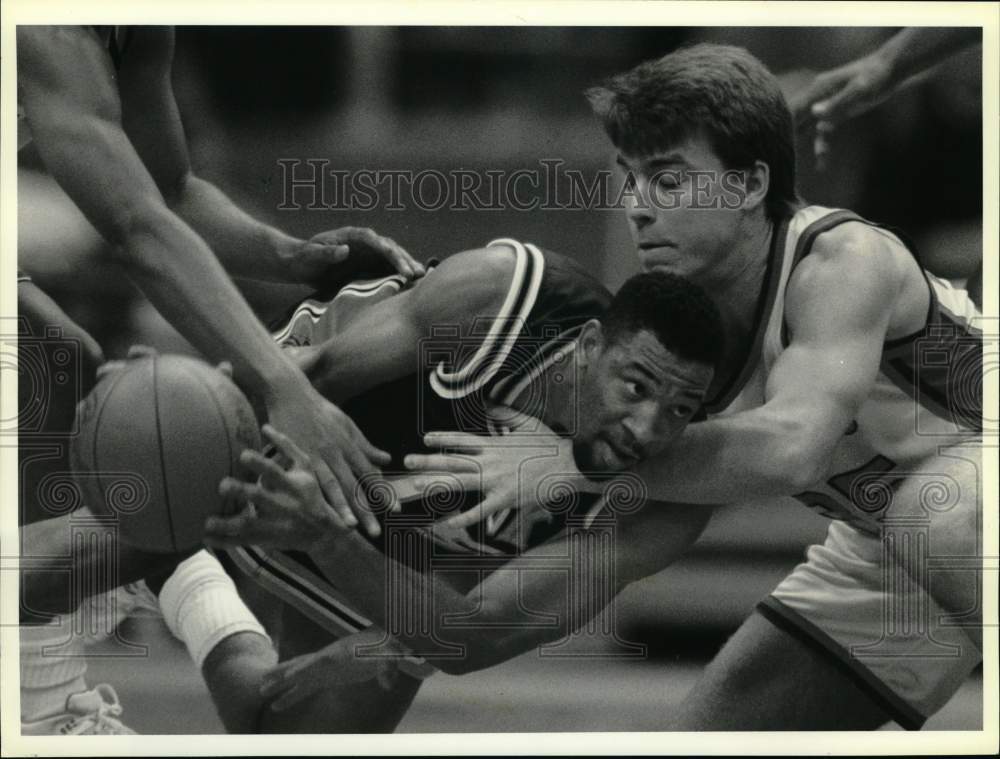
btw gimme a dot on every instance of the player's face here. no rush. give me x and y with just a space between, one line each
635 398
683 209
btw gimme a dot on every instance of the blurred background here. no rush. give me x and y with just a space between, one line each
488 99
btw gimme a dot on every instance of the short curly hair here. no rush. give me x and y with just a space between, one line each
678 312
719 91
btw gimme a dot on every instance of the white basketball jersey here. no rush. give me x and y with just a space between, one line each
927 395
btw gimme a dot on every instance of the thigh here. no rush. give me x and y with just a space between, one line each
355 707
68 559
765 678
852 602
933 529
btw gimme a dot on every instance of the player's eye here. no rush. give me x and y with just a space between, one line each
681 411
633 389
668 180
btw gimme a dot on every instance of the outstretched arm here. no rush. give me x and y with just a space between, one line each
245 246
848 91
843 93
541 595
71 100
838 305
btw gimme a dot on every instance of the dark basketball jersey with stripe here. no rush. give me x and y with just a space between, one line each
926 395
457 375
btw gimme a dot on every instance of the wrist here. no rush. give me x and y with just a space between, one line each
283 384
889 58
284 251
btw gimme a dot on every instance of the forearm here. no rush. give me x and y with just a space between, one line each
99 169
915 49
183 279
749 455
361 573
245 246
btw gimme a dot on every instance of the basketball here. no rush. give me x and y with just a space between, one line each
155 439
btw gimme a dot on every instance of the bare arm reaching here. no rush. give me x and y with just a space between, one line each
71 101
290 513
852 89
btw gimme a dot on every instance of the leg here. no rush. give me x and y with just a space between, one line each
102 563
941 503
846 641
764 678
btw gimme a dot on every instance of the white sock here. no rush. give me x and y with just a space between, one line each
201 606
52 668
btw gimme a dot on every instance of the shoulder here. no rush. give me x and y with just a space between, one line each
853 262
42 47
485 271
472 282
490 261
53 63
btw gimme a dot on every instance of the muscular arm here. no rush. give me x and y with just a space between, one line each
384 342
537 580
71 102
150 118
838 306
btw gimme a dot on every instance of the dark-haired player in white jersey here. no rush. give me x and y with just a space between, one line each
96 107
509 324
852 380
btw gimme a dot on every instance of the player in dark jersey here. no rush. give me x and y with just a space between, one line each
512 325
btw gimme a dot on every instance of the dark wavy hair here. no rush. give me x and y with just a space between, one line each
718 91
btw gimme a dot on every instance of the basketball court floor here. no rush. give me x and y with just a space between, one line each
163 693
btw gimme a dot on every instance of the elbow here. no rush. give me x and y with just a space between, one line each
178 189
131 231
802 474
804 460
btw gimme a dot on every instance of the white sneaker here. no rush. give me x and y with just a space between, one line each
93 712
139 601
